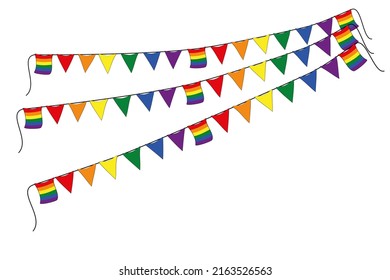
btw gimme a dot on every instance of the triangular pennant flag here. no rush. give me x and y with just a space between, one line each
326 25
167 95
287 90
77 109
123 103
259 69
266 99
223 119
173 56
241 47
134 157
55 111
244 109
152 58
157 147
178 138
311 79
216 84
352 58
280 62
107 60
282 38
303 54
99 106
305 33
201 132
262 42
130 59
220 52
86 60
238 77
110 166
67 181
65 60
88 173
332 67
324 45
146 99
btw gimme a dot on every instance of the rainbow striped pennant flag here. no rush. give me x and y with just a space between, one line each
346 19
198 58
345 38
201 132
194 93
33 117
43 64
47 191
353 58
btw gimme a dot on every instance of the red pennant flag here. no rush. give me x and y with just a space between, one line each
65 60
216 84
55 111
66 180
220 52
223 119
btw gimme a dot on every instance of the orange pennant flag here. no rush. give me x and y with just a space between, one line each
88 173
77 109
241 47
238 77
86 60
245 110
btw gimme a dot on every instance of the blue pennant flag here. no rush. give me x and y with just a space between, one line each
147 99
311 79
157 147
152 58
303 54
305 33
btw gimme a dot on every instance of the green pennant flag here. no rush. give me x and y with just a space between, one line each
282 38
134 157
287 90
130 60
123 103
280 62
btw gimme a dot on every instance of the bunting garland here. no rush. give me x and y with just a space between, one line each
194 92
200 131
197 55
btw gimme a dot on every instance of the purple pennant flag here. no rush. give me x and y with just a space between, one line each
178 138
324 45
173 56
332 67
167 95
326 25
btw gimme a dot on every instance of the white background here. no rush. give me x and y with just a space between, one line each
304 189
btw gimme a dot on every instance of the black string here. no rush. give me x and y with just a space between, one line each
35 216
371 58
20 131
29 73
361 37
362 23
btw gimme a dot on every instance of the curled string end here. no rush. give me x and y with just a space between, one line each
364 29
372 58
29 73
364 43
35 216
20 131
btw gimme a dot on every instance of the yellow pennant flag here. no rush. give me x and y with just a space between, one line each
110 166
266 99
238 77
259 69
262 42
245 110
99 106
107 60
